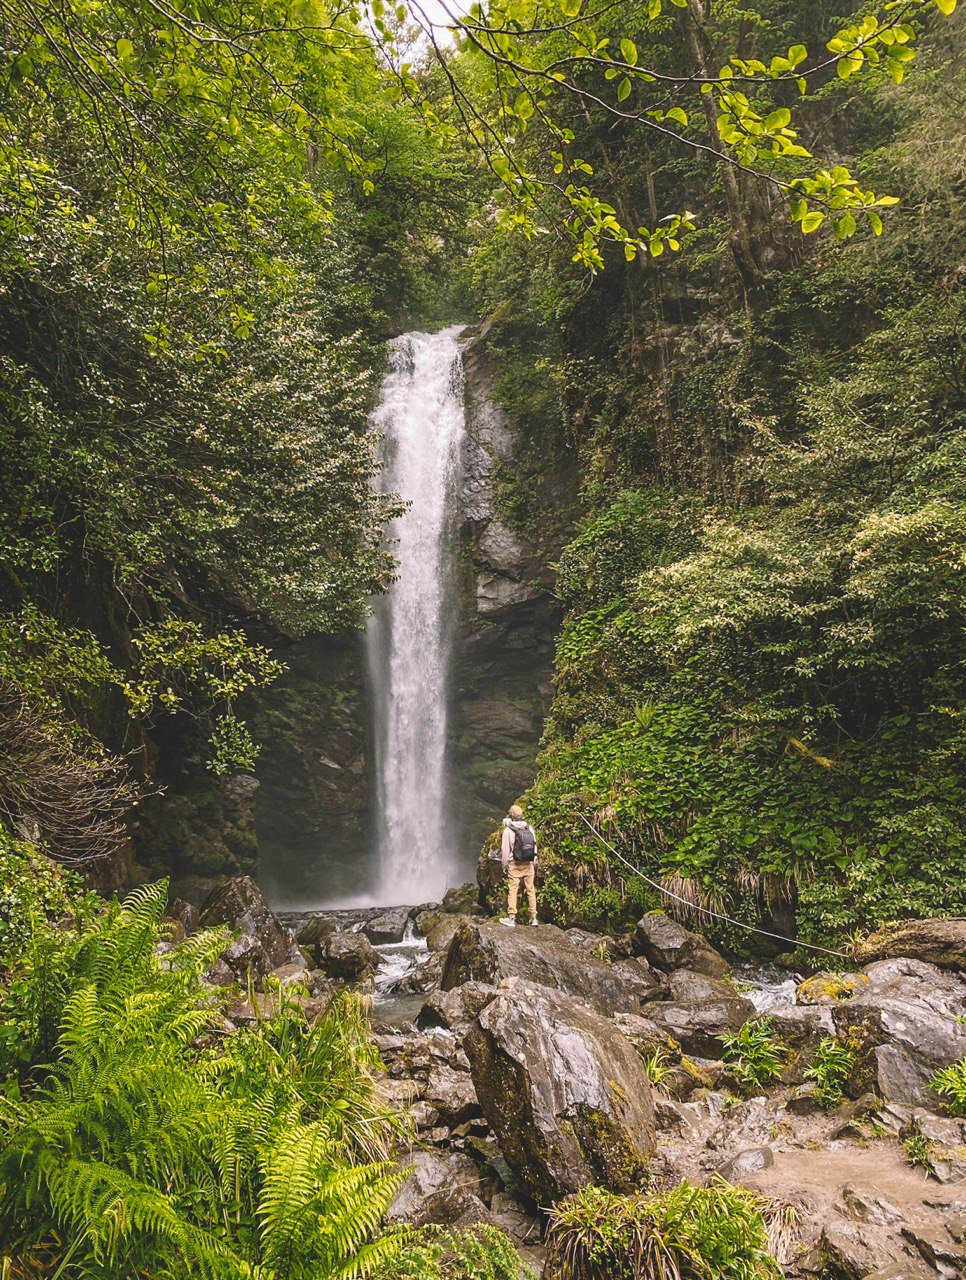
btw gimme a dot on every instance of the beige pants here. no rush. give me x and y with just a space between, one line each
517 873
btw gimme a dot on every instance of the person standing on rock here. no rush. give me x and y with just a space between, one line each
519 855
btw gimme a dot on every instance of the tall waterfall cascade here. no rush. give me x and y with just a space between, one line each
409 640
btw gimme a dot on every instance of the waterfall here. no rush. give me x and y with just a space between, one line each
409 639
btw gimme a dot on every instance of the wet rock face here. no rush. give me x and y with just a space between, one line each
516 508
939 942
667 945
349 956
565 1093
698 1025
199 832
262 943
907 1015
489 953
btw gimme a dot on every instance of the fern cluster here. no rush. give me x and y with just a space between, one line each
135 1139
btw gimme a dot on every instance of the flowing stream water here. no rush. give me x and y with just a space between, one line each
409 639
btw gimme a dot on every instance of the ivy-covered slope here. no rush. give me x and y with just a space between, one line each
758 689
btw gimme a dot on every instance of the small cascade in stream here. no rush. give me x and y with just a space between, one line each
409 638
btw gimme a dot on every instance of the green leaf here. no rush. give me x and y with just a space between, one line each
812 221
623 89
570 8
654 9
845 226
778 119
799 208
874 221
946 6
797 54
678 114
124 49
629 52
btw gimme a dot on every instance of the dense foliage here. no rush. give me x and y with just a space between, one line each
759 684
135 1137
718 1232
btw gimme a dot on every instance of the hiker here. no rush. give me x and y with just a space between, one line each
519 855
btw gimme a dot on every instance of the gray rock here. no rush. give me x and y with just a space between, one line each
802 1026
430 1173
349 956
454 1008
698 1025
388 927
668 945
564 1092
424 977
461 901
686 985
939 942
489 953
451 1095
862 1204
907 1269
315 931
852 1251
938 1250
752 1160
513 1215
292 975
502 549
908 1011
262 943
441 934
600 945
804 1101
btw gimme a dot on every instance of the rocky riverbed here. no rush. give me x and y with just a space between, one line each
536 1061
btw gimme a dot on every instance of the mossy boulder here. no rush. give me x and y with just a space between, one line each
565 1093
939 942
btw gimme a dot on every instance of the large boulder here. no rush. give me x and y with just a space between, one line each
388 927
907 1016
347 955
489 953
261 943
939 942
667 945
698 1025
565 1093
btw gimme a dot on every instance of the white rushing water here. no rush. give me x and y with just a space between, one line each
409 638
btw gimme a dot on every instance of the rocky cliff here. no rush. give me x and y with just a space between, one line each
516 511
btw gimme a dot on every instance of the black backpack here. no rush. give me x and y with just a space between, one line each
524 845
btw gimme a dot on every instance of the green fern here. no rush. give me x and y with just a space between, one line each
126 1150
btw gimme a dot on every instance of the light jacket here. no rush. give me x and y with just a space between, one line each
506 849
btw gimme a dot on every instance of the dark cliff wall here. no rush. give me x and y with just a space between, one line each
516 512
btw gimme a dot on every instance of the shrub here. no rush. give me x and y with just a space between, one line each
950 1084
718 1232
754 1055
831 1067
483 1253
918 1150
32 889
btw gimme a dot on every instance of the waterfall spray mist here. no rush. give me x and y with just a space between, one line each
409 639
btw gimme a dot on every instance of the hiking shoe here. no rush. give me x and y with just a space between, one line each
534 922
508 921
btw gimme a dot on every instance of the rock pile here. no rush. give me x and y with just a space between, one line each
542 1061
